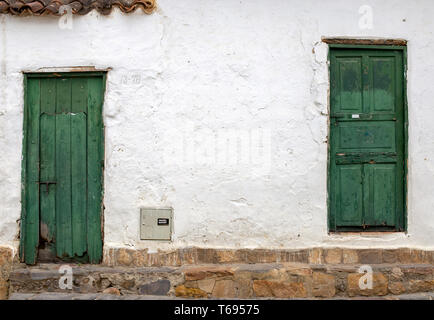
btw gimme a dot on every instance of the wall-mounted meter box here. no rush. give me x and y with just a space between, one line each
156 224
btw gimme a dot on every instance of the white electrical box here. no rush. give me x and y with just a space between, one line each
156 224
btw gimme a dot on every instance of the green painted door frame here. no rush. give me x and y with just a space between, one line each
62 165
368 138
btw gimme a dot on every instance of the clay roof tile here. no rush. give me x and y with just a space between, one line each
44 7
4 6
35 6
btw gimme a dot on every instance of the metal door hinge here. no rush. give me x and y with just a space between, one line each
47 184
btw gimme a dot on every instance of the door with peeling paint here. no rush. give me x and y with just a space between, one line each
367 151
62 168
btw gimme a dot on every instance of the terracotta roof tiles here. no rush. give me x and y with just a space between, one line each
51 7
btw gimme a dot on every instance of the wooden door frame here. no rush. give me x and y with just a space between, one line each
386 46
32 244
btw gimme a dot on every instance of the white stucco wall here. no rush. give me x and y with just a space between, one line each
198 70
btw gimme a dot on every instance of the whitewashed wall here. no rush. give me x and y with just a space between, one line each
196 72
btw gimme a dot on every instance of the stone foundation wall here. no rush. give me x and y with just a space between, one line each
6 257
265 280
221 273
141 258
303 281
306 273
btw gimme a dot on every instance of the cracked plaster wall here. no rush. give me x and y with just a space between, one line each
196 73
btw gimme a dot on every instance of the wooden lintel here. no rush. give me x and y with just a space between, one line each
368 41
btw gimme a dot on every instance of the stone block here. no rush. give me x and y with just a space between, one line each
323 285
396 287
407 256
396 274
183 291
4 289
243 288
390 256
206 285
200 273
112 290
370 256
420 286
224 289
205 255
333 256
297 269
350 256
128 284
138 258
316 256
156 288
279 289
124 257
227 256
379 285
416 256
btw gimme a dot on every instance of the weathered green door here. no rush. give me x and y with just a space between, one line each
367 151
62 167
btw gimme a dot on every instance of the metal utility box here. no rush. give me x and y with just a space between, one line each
156 224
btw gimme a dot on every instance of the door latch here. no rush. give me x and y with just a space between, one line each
336 115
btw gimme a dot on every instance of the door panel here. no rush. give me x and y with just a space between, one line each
63 152
94 168
366 140
382 84
79 92
349 94
383 192
63 192
367 136
47 173
29 236
350 199
63 95
78 182
47 160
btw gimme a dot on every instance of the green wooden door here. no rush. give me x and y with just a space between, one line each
367 151
62 167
